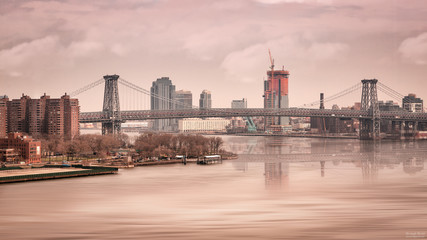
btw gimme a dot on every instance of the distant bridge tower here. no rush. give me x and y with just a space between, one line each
370 128
111 107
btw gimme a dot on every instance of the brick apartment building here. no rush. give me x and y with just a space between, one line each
17 114
3 116
18 148
53 116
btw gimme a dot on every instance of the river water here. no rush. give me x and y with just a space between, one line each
279 188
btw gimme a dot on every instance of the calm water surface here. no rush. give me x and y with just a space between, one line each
279 188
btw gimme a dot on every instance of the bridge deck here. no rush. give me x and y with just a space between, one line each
87 117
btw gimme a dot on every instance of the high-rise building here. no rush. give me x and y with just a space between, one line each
162 98
183 99
44 116
205 100
55 116
17 114
276 95
3 116
37 115
412 104
239 103
71 117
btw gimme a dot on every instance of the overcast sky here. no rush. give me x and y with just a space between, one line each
221 46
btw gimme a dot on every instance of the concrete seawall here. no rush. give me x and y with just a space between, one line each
10 175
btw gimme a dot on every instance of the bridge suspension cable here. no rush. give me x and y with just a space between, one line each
392 93
387 88
134 100
347 91
389 93
87 87
146 92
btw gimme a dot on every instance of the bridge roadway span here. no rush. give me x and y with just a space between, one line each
87 117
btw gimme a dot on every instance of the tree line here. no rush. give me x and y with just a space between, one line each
147 145
83 146
162 145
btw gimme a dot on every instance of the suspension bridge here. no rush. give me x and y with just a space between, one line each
369 115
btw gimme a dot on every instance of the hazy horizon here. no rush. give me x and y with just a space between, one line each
55 47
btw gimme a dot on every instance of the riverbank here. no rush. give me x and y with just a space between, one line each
295 135
18 174
174 161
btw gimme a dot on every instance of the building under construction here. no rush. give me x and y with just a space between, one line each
276 93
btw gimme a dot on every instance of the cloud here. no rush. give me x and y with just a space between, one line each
15 74
119 49
57 7
60 43
84 48
415 49
249 64
322 51
24 52
241 65
279 1
206 45
294 1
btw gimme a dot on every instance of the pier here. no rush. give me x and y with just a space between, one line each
210 160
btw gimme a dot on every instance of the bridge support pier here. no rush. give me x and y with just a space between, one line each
370 128
111 107
411 129
402 129
365 128
395 131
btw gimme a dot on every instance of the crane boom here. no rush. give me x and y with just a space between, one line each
271 60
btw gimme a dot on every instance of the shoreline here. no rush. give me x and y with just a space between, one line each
48 172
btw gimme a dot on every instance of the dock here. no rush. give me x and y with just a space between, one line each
16 174
212 159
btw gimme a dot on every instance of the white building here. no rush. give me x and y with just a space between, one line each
203 125
239 103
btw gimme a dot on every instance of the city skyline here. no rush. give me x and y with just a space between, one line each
59 46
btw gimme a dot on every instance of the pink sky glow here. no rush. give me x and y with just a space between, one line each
222 46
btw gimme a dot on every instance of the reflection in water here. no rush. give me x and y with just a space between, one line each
413 165
371 157
278 188
276 174
322 168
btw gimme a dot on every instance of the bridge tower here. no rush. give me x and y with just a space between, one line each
111 107
370 128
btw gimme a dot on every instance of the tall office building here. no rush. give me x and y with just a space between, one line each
162 98
412 104
184 99
205 100
239 103
276 94
3 116
58 116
